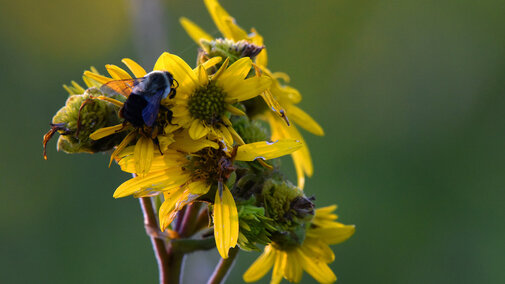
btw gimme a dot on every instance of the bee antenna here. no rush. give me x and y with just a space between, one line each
177 83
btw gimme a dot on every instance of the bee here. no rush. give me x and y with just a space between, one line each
143 96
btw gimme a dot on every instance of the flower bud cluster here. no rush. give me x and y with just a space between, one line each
205 141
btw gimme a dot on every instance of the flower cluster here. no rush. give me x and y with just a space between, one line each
203 142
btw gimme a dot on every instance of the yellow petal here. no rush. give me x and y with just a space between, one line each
221 69
143 154
212 62
203 79
304 120
110 100
236 137
293 269
117 73
273 104
89 82
180 70
198 187
261 266
316 248
225 134
279 265
234 110
238 70
323 211
197 130
267 150
106 131
160 181
246 89
301 158
281 75
97 77
174 202
183 142
334 234
126 141
225 222
194 31
317 269
134 67
127 163
224 22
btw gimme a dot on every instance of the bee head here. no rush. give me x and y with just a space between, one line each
158 82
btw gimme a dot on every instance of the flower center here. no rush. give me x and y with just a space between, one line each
207 103
210 164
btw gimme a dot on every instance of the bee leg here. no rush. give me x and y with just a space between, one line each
170 115
172 94
157 142
54 128
84 103
154 132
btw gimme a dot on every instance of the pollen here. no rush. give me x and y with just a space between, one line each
207 103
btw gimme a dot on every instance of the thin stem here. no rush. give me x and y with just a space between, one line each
221 272
159 248
188 223
175 265
177 223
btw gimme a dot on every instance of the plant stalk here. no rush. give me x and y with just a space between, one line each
221 272
159 247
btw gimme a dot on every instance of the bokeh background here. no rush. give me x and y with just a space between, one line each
410 93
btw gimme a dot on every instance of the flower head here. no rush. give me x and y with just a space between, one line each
280 98
203 102
187 171
312 256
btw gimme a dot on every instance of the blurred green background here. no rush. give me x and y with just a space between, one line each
410 93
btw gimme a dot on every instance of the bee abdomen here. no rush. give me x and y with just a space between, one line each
132 110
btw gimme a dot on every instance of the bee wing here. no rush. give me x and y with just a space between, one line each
150 112
122 87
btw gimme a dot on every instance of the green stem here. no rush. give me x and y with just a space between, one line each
192 245
221 271
175 266
159 247
189 222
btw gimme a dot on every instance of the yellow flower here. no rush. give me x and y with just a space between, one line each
188 169
162 134
202 102
280 98
312 256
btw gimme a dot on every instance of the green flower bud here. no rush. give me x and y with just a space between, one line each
82 116
286 204
227 48
250 131
254 226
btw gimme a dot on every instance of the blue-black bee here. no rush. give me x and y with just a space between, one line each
143 96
